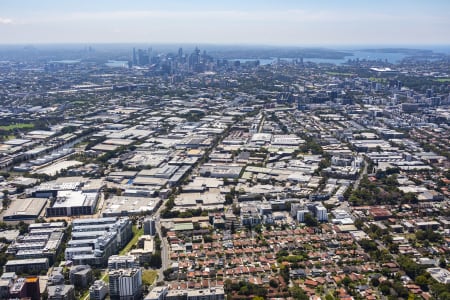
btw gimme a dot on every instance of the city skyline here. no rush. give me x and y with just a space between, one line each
292 23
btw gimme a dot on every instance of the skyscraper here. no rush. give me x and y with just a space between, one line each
194 60
143 58
134 57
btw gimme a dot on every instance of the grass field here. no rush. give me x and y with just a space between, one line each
17 126
105 277
136 234
339 74
442 80
9 137
376 79
149 276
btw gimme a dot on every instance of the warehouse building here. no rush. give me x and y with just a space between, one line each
25 209
73 203
127 206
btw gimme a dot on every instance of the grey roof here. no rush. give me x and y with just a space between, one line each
28 208
26 261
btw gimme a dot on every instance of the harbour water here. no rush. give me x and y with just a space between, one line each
117 64
391 57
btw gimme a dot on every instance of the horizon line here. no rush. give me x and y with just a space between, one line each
305 45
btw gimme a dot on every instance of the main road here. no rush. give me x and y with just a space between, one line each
361 175
165 260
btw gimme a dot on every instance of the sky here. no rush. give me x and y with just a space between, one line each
247 22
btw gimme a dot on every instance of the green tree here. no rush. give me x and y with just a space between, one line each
442 262
284 272
273 283
155 260
310 220
232 228
6 200
422 281
329 297
368 245
411 268
346 281
359 224
96 273
228 199
23 227
385 288
375 282
297 293
244 290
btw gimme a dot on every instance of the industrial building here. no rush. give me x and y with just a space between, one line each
220 171
73 203
117 206
216 293
213 199
69 196
25 209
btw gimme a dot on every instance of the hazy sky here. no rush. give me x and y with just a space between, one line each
290 22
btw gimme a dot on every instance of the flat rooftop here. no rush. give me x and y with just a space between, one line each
124 205
24 209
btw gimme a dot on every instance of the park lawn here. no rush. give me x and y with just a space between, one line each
149 276
442 80
86 295
137 233
376 79
17 126
339 74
